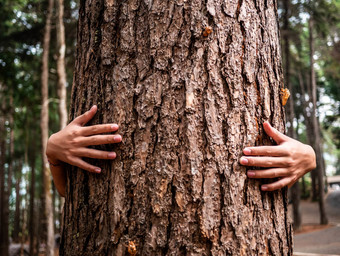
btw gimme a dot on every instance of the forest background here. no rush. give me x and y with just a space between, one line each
310 43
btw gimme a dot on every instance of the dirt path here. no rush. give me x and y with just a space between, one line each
322 240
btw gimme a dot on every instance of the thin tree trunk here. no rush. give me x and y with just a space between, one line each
309 131
17 220
32 223
4 235
61 75
190 84
11 158
48 211
61 64
24 217
38 227
295 190
316 130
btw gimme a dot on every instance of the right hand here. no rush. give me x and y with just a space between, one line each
71 144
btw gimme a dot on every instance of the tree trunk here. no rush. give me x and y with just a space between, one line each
61 64
295 190
4 235
32 223
48 211
10 159
309 131
24 217
61 78
316 130
17 222
190 84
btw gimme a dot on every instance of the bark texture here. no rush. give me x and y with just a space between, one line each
186 104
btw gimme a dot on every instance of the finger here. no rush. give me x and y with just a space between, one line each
264 161
97 129
100 140
87 116
274 133
268 173
85 166
94 153
276 185
265 151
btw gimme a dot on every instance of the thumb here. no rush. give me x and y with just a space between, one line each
274 133
87 116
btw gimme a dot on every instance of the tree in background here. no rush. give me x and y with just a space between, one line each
61 64
48 210
286 33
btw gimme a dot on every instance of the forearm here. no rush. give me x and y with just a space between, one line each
59 177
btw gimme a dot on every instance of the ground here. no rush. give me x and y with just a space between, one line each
314 239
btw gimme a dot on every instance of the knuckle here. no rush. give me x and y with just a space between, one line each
109 139
294 179
74 141
69 158
72 151
271 187
290 162
268 151
73 133
250 161
281 184
275 174
289 153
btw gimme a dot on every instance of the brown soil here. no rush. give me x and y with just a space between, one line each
312 227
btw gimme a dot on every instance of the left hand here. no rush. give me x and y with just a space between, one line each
288 160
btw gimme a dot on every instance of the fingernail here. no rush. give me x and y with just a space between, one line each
264 187
114 127
247 151
97 170
117 138
244 160
251 174
112 155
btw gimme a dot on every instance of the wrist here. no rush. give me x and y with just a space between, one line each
54 162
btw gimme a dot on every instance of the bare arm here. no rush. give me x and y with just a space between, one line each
71 144
288 160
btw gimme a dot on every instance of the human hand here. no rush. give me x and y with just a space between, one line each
288 160
71 144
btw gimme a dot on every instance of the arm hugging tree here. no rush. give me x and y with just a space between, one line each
187 102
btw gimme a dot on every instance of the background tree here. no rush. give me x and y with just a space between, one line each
48 210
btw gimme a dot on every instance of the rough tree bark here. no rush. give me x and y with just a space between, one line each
48 211
187 102
316 129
